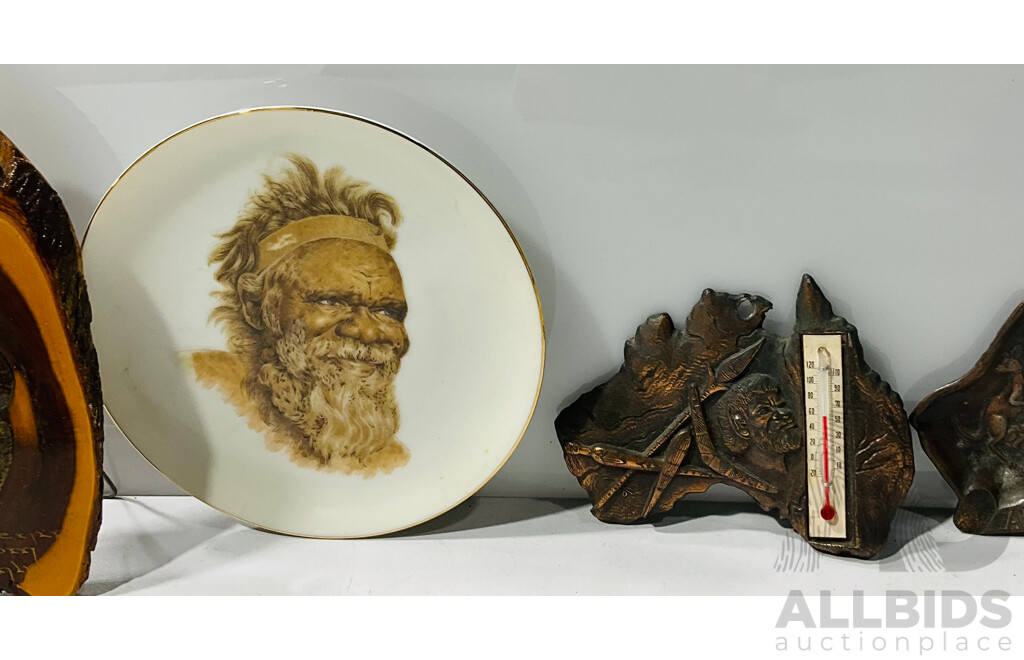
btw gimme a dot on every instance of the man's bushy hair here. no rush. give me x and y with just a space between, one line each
298 191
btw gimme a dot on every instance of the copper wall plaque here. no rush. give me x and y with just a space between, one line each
724 401
973 431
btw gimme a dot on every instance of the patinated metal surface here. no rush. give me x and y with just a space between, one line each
51 412
721 401
973 431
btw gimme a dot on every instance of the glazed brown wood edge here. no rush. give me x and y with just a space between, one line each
50 405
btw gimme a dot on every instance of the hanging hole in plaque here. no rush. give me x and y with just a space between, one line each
746 309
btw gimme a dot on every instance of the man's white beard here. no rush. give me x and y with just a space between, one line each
338 393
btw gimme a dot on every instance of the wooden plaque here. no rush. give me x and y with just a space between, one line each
51 413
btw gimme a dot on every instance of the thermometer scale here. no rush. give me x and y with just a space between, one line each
826 458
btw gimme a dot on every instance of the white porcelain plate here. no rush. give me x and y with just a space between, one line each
312 322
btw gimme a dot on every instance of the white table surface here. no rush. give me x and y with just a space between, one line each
178 545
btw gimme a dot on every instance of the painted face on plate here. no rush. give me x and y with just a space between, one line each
314 310
333 336
343 288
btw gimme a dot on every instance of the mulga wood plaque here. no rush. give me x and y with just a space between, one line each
973 431
799 423
50 407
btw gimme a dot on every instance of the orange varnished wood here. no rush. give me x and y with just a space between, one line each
23 419
57 571
49 500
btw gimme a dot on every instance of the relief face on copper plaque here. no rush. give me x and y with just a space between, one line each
313 309
800 423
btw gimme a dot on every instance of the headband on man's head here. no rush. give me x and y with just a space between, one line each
286 239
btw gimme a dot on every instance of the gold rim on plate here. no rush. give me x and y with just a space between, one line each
526 265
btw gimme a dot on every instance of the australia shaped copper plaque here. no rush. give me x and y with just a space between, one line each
51 412
973 431
801 423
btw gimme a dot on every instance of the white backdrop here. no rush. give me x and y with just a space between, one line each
631 189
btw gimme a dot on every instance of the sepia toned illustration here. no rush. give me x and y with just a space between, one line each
313 309
973 431
722 401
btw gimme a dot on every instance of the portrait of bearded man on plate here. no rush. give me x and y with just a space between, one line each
313 308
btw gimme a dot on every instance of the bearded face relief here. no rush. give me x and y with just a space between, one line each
753 422
314 308
762 415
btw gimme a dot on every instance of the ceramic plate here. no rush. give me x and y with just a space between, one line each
312 322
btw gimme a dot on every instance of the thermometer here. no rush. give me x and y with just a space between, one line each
826 458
